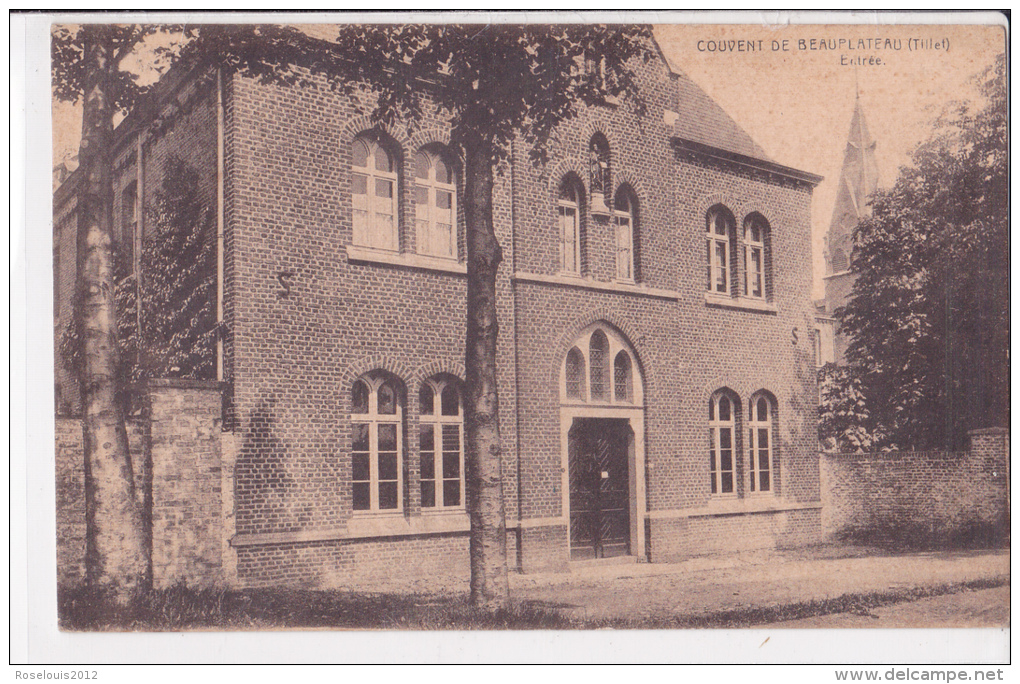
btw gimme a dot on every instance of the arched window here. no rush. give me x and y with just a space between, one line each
374 195
622 381
755 237
601 367
377 427
598 360
575 374
569 210
719 234
760 461
441 443
623 219
721 443
435 198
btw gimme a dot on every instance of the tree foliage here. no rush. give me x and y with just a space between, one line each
928 316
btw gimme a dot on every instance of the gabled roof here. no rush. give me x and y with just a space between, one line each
703 121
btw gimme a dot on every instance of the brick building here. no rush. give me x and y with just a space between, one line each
654 303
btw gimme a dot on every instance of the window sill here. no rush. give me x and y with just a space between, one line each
739 303
366 526
404 259
619 287
758 503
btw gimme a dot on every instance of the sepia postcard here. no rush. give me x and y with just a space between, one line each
547 324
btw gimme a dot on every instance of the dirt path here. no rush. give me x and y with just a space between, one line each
650 591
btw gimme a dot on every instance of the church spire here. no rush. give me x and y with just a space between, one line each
857 181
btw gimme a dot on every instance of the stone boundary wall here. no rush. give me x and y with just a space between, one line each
919 497
181 442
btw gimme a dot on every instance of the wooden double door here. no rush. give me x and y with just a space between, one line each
599 454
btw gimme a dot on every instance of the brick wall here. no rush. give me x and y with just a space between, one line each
920 497
293 354
187 507
183 492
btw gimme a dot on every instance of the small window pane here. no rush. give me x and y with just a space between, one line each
451 493
451 465
714 487
598 353
727 483
428 494
387 495
426 400
359 437
383 162
443 174
725 440
388 437
426 438
421 197
622 203
711 409
763 409
724 408
383 188
362 500
387 466
359 468
428 467
359 397
359 184
575 374
451 400
451 438
763 460
766 482
359 155
421 166
763 438
444 200
387 399
622 377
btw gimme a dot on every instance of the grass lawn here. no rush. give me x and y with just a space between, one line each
180 608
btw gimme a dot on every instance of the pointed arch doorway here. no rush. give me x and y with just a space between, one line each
602 436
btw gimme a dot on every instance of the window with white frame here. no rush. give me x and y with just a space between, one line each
760 461
569 213
441 443
719 234
755 233
623 219
600 368
377 427
721 444
435 198
374 195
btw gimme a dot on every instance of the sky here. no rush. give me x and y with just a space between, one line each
795 98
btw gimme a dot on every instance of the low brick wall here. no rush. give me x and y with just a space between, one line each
183 450
919 497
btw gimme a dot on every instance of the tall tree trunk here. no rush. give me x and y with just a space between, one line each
116 559
489 586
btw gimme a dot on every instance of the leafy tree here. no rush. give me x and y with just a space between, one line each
928 316
179 280
87 67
